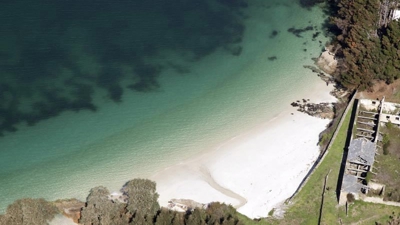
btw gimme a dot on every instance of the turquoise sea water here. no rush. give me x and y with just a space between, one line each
100 93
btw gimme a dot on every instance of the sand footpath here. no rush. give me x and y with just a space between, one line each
256 170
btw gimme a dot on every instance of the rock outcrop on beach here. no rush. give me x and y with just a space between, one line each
322 110
327 62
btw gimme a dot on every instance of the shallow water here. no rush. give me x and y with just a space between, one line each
101 93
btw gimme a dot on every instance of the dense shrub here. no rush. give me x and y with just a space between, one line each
100 210
350 198
385 144
29 211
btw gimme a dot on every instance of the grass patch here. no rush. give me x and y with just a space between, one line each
327 134
247 221
367 213
271 213
388 162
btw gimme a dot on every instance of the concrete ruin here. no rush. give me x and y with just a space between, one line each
390 113
364 141
360 159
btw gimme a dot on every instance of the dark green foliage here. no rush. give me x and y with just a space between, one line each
28 212
389 125
215 213
166 217
142 209
100 210
179 218
271 213
197 216
369 52
385 143
218 213
142 199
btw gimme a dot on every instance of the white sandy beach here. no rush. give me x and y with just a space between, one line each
255 171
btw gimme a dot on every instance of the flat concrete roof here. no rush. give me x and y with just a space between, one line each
350 184
362 151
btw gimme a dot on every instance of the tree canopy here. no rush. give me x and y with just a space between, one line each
142 208
367 51
29 212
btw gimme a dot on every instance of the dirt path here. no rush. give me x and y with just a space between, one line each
365 220
380 201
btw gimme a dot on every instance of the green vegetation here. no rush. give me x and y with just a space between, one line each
385 144
28 212
141 208
142 198
368 51
324 138
100 210
388 163
271 212
327 134
365 213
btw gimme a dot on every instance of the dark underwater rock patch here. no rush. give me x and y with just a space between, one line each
272 58
273 34
298 31
93 41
